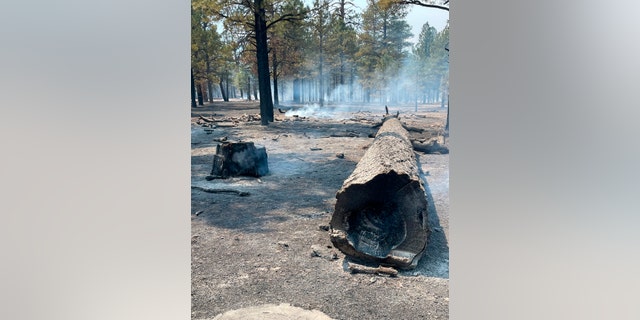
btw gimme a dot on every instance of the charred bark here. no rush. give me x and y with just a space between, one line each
262 57
446 127
239 159
200 95
381 211
224 94
193 91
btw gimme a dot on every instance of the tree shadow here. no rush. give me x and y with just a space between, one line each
294 188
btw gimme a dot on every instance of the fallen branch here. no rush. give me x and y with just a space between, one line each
357 268
432 147
347 134
206 119
239 193
414 129
226 124
378 125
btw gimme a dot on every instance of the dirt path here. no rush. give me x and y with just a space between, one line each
270 246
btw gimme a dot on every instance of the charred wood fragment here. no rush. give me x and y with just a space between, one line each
231 191
431 147
239 159
356 268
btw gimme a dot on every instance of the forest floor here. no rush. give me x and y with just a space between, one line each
271 246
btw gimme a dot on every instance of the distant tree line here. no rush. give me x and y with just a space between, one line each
327 52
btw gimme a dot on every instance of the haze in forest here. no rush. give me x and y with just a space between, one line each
319 53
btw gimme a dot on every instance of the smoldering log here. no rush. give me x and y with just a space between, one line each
381 211
239 159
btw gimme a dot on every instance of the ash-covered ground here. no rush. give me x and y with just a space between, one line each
272 247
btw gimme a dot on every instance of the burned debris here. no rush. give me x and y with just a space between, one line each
239 159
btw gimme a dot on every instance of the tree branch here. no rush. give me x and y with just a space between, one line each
288 17
444 6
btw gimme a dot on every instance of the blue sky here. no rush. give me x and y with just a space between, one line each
418 16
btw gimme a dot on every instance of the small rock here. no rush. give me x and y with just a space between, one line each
340 155
323 227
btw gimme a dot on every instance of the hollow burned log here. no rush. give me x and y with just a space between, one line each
381 211
239 159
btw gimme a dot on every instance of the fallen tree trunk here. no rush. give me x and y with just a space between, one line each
381 211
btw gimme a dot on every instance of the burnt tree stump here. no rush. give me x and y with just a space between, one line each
239 159
381 211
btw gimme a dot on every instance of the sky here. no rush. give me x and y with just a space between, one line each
418 16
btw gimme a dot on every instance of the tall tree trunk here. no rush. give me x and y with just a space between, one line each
227 91
193 91
200 96
255 91
276 100
321 77
249 88
446 127
262 57
282 91
210 90
296 90
301 88
224 94
209 93
351 84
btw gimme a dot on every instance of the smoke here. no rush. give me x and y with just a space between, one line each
402 86
336 112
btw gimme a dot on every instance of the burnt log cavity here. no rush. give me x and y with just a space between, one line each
380 214
239 159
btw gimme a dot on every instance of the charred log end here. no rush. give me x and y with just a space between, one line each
239 159
382 221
